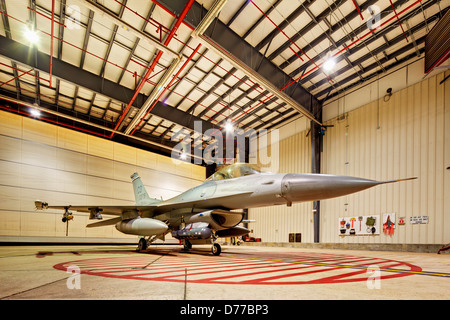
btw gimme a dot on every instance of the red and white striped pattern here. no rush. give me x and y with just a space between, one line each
258 268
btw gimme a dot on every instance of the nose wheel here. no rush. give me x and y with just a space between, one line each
216 249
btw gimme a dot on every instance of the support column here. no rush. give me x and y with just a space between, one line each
316 148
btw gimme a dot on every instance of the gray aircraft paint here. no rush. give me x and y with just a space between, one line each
238 186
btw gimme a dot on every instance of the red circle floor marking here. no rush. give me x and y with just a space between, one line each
270 269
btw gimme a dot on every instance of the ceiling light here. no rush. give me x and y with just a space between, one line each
329 64
229 126
31 35
35 112
183 156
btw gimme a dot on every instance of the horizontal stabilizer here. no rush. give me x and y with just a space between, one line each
104 222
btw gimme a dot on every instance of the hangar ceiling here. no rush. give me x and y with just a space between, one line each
138 71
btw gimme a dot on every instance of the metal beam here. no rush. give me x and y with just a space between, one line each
244 52
393 55
316 146
19 53
105 13
351 51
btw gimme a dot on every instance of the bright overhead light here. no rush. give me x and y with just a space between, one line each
183 156
229 126
329 64
35 112
31 35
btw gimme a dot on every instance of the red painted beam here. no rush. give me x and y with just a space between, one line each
168 86
357 8
51 42
155 61
396 15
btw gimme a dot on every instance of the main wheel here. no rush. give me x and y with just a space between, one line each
216 249
142 245
187 245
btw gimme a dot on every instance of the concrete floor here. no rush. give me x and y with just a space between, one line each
239 273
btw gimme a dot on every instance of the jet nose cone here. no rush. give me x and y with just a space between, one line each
311 187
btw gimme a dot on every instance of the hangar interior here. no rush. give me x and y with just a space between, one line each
92 91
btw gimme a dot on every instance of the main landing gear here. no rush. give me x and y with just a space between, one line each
216 249
144 243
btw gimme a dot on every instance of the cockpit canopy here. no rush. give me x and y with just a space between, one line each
234 171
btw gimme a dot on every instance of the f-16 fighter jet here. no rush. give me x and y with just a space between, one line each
208 211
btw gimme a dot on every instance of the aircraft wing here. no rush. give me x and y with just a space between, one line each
117 210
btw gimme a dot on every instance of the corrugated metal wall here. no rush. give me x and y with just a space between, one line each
407 135
273 224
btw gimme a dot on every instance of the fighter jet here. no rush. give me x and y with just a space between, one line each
211 210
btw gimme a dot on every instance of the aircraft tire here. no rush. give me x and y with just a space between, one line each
187 245
216 249
142 245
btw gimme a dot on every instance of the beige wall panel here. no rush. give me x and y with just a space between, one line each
10 124
123 190
100 147
183 169
39 161
72 161
32 224
39 132
72 183
164 164
10 149
100 167
40 178
145 159
9 173
99 187
38 154
125 154
123 171
9 222
198 173
72 140
150 177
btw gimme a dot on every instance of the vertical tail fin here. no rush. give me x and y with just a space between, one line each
140 194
